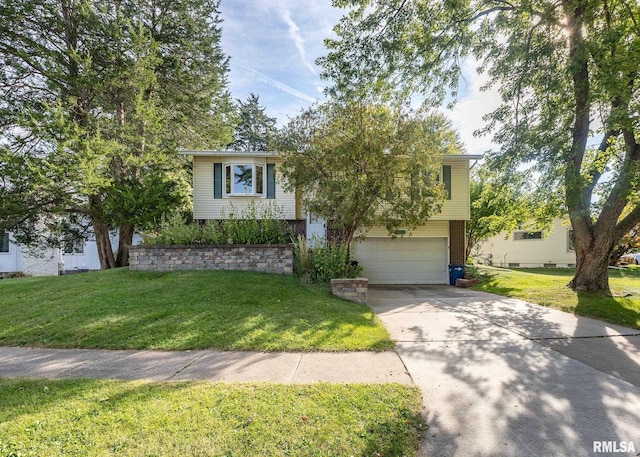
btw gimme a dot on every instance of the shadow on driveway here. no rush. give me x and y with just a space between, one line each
500 376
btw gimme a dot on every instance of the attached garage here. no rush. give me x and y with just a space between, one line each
404 260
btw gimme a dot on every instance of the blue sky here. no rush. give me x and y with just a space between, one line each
273 45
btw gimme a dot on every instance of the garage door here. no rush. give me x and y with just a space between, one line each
403 261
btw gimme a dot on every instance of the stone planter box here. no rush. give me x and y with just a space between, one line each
353 289
275 258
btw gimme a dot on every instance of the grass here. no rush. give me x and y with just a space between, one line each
548 287
122 309
97 418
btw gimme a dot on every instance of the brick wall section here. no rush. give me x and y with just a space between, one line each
353 289
457 242
275 258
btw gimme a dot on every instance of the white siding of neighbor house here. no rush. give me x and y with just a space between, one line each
207 207
459 207
32 262
552 249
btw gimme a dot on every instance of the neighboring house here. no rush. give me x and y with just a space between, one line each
530 248
34 262
72 257
231 179
83 255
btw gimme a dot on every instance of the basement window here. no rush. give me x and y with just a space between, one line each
527 236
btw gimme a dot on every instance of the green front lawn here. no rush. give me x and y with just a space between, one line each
119 309
94 418
547 287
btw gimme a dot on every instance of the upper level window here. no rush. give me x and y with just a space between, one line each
244 180
527 235
4 243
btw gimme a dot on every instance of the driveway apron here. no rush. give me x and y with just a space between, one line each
502 377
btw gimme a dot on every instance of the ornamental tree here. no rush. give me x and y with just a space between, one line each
361 164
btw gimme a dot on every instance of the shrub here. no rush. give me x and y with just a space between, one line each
175 231
253 225
323 262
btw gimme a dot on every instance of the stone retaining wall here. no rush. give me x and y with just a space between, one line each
275 258
353 289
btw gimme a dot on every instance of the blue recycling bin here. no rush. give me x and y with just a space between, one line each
455 272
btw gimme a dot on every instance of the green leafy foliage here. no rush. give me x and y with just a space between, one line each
96 97
502 204
255 224
362 164
255 130
324 261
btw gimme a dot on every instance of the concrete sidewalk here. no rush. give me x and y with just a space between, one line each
502 377
283 367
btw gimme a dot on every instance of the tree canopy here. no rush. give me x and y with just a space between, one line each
504 204
363 164
96 99
567 72
255 130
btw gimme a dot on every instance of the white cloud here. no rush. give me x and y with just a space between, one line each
279 85
296 37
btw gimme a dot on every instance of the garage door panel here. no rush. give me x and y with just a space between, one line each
403 261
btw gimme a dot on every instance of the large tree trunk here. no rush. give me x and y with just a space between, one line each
103 243
125 240
592 265
101 234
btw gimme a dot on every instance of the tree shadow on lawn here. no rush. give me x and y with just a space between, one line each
221 310
618 310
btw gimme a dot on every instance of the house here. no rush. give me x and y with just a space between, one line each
232 179
33 262
226 182
424 255
72 257
530 248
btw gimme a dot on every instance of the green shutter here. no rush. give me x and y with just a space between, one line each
271 180
446 179
217 180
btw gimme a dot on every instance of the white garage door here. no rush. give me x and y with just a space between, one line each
403 261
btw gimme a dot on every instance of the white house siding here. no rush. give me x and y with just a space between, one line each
89 259
551 250
41 262
207 207
33 262
11 261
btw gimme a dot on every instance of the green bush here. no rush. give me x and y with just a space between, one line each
324 261
253 225
175 231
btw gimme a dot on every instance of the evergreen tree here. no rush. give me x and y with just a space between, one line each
96 99
255 130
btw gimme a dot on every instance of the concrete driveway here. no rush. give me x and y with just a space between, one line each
501 377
